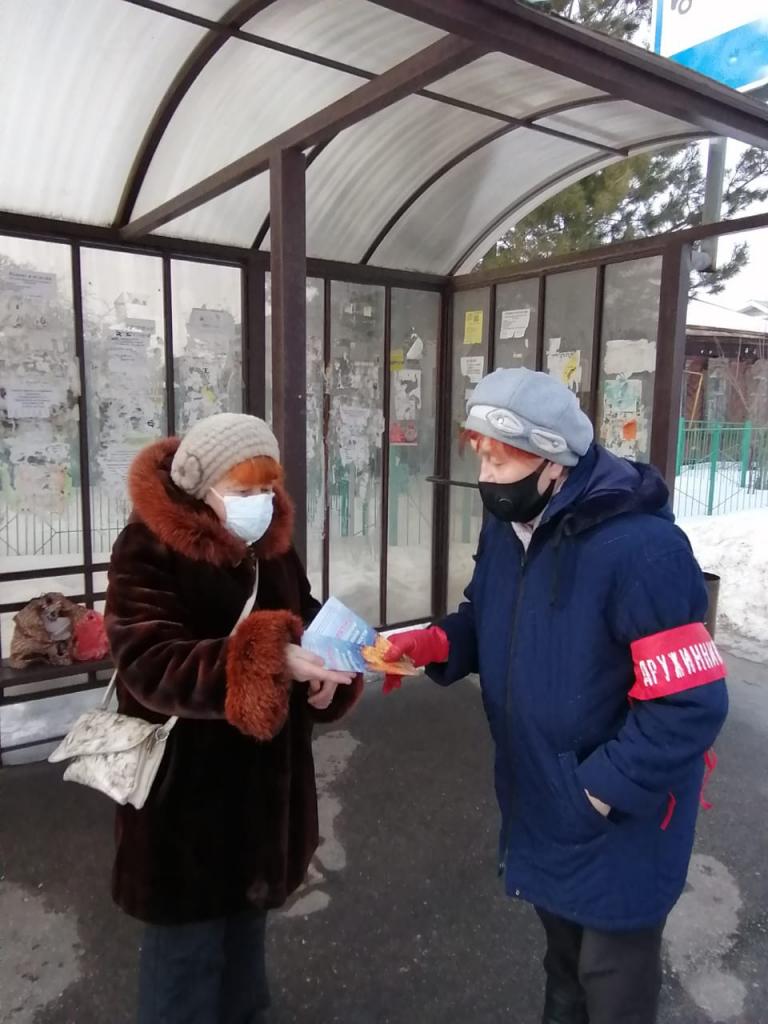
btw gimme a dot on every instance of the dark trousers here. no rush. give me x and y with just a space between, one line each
596 977
208 972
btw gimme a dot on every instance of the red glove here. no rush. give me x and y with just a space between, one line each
422 646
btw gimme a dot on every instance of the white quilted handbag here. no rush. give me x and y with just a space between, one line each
117 754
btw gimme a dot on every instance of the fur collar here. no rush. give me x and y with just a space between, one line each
189 526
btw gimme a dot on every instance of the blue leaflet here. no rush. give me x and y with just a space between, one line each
338 636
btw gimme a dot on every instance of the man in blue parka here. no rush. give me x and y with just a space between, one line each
602 687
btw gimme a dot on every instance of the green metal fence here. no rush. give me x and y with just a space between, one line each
721 467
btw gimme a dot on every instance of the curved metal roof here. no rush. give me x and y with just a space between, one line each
430 126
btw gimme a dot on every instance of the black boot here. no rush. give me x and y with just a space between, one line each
561 1009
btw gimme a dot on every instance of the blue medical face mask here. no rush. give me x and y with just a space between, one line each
248 516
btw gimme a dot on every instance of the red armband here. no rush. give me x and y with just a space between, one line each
676 660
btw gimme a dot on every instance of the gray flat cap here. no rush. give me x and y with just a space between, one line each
531 411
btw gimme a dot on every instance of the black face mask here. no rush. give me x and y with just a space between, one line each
519 502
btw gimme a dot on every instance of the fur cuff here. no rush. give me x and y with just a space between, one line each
258 690
343 701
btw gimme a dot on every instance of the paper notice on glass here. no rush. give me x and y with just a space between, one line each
566 367
33 401
42 488
38 286
114 463
128 355
514 323
473 327
406 394
622 396
472 367
627 357
396 359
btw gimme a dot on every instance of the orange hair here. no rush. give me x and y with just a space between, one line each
261 471
491 446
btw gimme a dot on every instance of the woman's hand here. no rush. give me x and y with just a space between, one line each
321 694
305 667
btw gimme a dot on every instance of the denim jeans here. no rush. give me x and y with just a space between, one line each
207 972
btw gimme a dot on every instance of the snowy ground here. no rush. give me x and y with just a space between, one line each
734 547
696 490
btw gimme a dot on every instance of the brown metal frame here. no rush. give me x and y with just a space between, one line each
46 229
475 27
675 249
185 78
670 356
289 328
614 253
620 70
253 326
610 65
386 397
513 124
557 181
433 62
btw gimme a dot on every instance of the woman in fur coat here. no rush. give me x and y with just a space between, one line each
231 823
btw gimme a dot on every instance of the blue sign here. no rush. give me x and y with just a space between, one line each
727 41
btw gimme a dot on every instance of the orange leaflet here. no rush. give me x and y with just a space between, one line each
374 659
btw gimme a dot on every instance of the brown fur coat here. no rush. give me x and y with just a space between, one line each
232 817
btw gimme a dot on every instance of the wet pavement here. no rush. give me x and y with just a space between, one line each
403 920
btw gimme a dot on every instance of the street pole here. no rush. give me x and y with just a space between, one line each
713 195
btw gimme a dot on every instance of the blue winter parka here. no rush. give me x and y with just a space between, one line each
549 632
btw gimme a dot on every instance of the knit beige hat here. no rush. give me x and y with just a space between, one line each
215 445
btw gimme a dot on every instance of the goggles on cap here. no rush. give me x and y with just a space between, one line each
510 425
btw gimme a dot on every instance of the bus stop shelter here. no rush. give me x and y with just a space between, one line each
278 207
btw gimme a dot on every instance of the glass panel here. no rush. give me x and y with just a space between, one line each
365 174
471 311
125 367
415 323
245 96
352 31
80 83
466 520
616 124
454 219
569 320
628 356
207 341
517 324
511 86
40 504
315 430
354 445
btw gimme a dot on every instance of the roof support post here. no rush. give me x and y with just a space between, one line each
289 301
670 358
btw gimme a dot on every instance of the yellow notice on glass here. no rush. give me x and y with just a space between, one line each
473 327
397 359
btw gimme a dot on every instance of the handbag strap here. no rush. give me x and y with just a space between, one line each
247 609
251 601
110 691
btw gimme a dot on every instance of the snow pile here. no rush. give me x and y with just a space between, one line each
734 546
693 496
